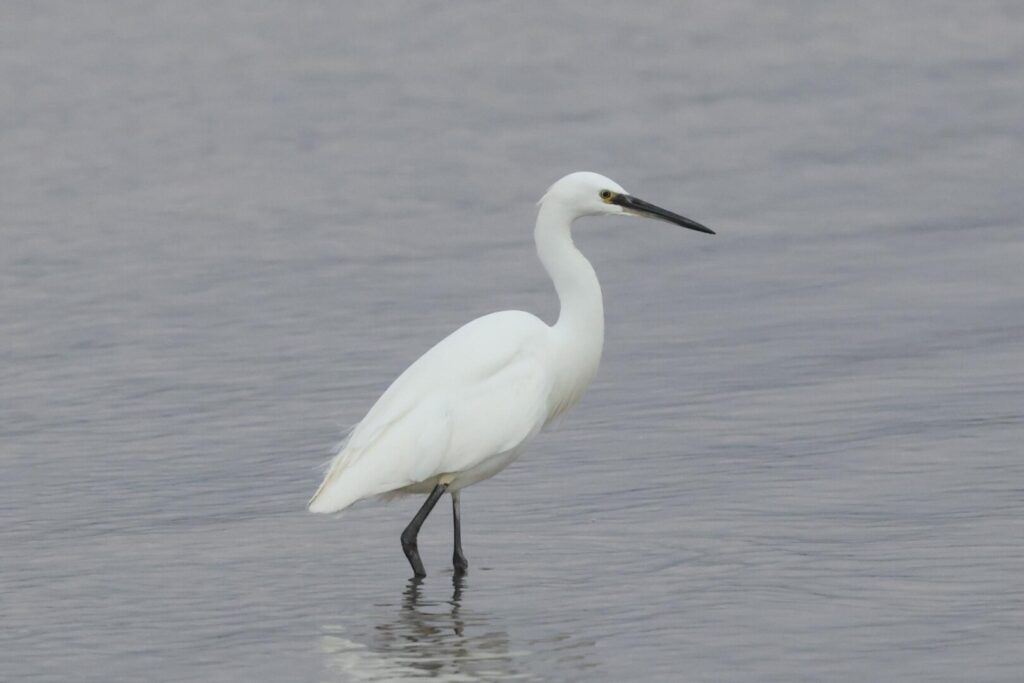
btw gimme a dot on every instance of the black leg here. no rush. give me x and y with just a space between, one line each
413 530
458 559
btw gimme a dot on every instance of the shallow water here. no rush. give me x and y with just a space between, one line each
226 229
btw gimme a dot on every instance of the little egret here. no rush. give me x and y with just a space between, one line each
468 406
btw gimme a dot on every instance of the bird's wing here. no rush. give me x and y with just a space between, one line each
481 391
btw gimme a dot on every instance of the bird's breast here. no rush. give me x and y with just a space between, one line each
577 362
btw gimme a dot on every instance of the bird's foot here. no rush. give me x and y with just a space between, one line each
412 554
417 565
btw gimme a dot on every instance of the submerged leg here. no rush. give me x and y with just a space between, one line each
413 530
458 559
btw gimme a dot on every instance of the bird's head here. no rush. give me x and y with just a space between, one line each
592 194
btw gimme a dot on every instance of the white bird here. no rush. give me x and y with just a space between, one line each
468 406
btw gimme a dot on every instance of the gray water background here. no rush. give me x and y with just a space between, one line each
226 227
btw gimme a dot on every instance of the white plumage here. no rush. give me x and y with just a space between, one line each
437 418
468 406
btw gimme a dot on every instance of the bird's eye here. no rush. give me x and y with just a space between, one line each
606 195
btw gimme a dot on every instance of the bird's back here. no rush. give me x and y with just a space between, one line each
481 391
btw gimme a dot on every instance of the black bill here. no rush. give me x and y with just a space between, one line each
642 208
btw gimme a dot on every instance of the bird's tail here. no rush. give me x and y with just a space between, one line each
323 501
358 470
329 497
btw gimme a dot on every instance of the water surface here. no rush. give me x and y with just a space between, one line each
226 229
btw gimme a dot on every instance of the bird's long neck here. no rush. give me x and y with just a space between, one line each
579 292
580 326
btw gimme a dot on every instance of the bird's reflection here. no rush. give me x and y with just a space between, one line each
427 636
425 623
